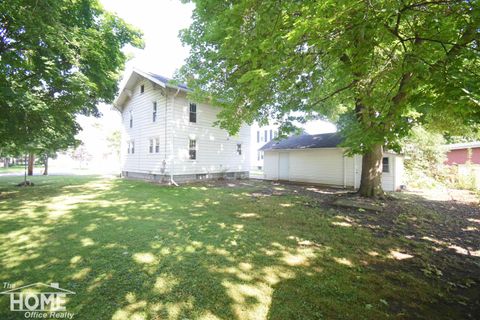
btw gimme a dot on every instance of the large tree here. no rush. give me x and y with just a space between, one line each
58 58
377 68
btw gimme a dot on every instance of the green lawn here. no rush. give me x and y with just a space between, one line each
13 169
134 250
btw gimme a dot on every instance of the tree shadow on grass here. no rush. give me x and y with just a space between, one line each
131 250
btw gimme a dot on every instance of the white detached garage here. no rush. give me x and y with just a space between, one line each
318 159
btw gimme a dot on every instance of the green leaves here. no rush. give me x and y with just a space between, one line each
58 59
404 63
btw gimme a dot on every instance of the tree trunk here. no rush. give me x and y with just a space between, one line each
31 160
45 171
371 180
6 162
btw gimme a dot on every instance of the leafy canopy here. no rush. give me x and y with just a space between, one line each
377 68
57 59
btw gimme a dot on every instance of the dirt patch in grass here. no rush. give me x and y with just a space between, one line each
438 232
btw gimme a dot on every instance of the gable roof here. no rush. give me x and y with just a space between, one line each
126 90
305 141
463 145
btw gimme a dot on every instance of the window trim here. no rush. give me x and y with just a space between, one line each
194 113
154 112
131 147
150 145
142 89
239 149
157 145
387 167
194 149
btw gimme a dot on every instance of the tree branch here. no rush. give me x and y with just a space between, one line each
332 94
428 3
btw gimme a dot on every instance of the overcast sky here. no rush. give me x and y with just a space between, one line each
160 22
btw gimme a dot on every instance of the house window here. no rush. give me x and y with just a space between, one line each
131 119
271 134
128 147
266 135
192 149
275 133
142 88
258 136
385 165
133 146
239 149
193 112
261 155
157 145
154 115
150 148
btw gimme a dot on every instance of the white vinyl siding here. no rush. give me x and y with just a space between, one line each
270 168
144 129
257 141
330 167
216 150
310 166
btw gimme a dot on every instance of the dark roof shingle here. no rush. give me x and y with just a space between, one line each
305 141
166 80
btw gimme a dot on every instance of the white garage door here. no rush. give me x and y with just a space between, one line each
323 166
283 166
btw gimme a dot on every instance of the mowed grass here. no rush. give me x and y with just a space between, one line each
134 250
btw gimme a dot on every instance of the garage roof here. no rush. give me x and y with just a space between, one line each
305 141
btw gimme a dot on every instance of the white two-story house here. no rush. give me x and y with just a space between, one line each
259 137
167 138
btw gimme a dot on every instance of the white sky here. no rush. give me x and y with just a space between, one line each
160 22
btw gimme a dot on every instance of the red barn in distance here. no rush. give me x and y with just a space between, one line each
461 153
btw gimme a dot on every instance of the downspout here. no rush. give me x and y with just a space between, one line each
166 132
394 172
354 171
173 123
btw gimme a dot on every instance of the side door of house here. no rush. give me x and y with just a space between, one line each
283 166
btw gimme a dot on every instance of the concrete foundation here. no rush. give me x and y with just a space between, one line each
184 178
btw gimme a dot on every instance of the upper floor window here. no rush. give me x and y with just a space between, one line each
142 88
131 119
271 134
192 149
239 149
275 133
133 146
258 136
193 112
154 113
266 135
385 165
157 145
